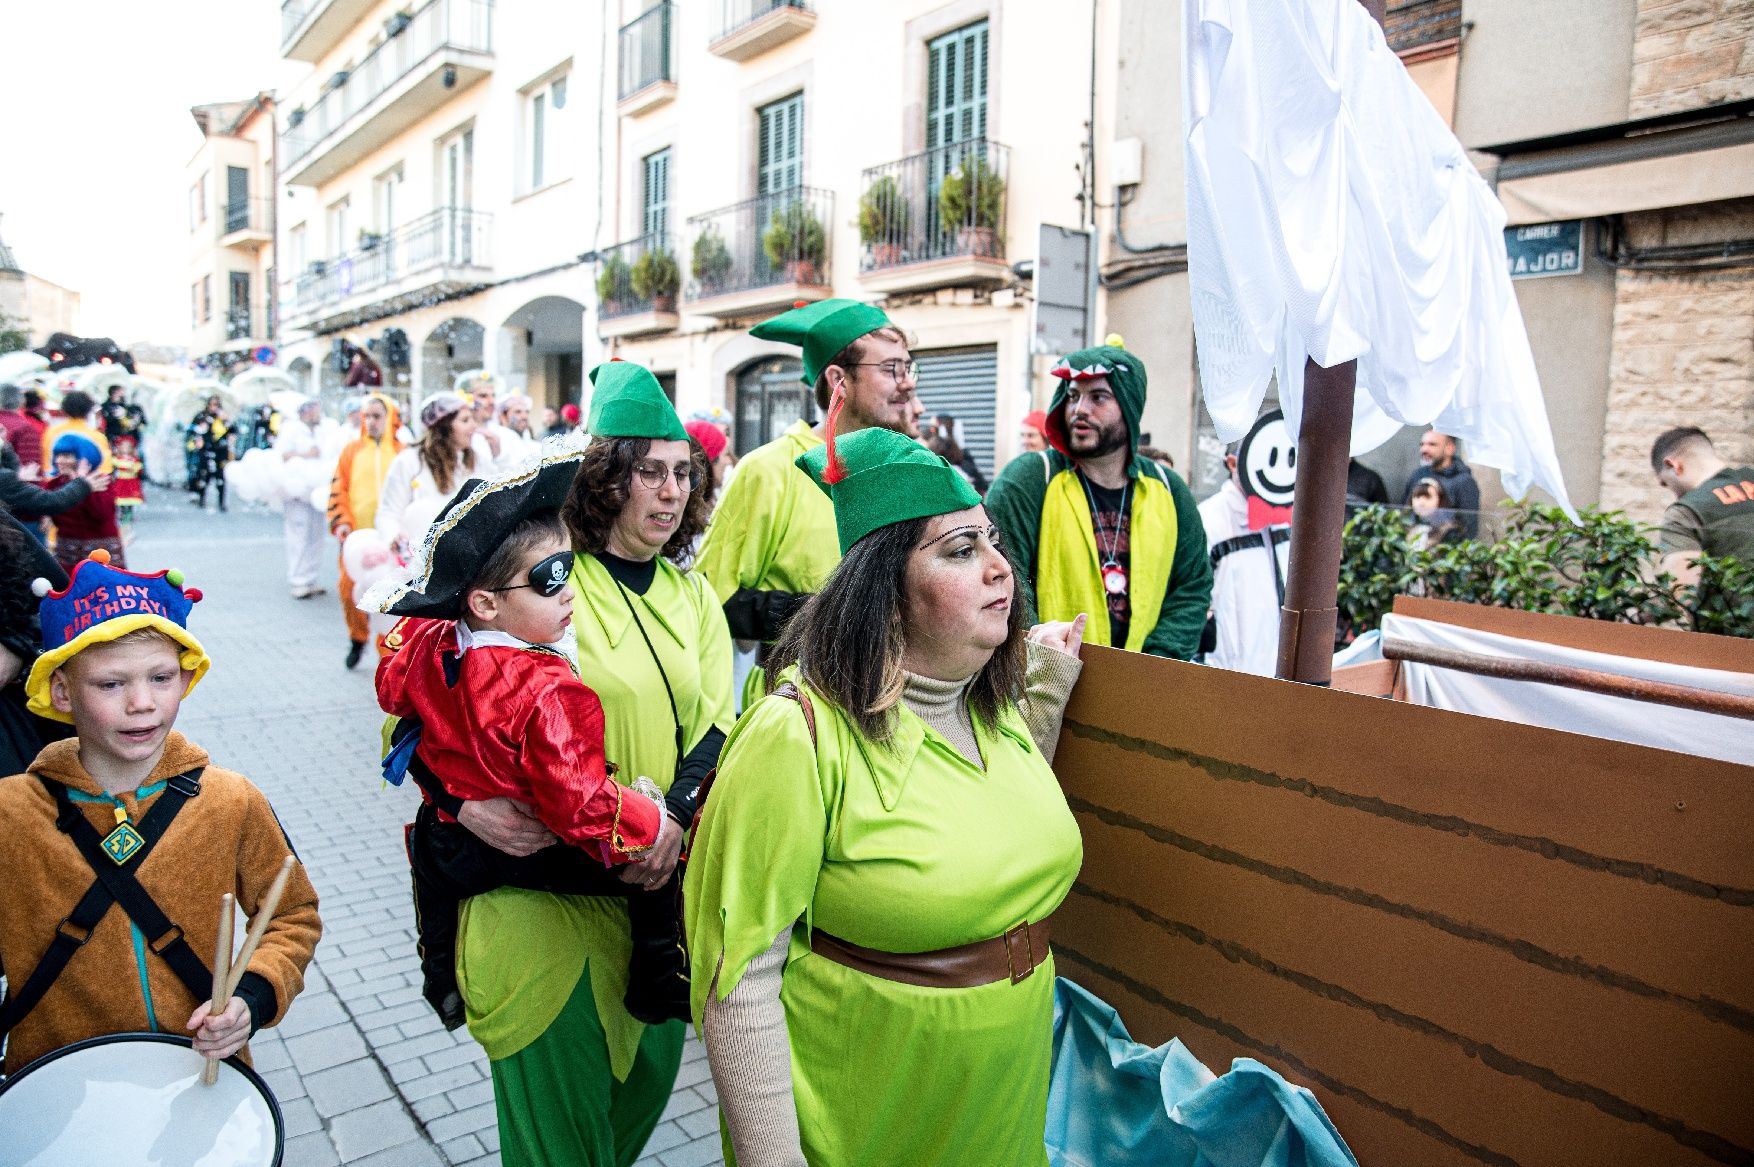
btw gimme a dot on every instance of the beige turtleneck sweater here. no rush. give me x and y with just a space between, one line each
746 1041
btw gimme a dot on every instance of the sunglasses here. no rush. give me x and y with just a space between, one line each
547 577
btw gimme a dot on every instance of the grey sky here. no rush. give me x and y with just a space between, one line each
98 132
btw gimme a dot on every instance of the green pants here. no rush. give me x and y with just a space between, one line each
560 1106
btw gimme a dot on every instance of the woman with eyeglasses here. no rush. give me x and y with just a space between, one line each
653 646
871 877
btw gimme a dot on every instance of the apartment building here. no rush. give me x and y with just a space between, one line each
1628 176
437 190
231 183
31 308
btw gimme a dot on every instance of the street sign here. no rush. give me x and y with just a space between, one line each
1545 249
264 355
1062 291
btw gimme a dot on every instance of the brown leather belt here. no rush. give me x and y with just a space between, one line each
1011 956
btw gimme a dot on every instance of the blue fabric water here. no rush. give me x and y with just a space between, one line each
1115 1103
401 753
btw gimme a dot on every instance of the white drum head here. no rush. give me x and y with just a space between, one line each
136 1100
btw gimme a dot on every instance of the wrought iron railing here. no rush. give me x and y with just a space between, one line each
734 14
442 24
241 323
292 17
647 51
246 215
640 275
941 204
779 238
445 238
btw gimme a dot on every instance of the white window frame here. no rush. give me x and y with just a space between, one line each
545 154
336 215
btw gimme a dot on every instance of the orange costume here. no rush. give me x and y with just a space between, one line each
353 498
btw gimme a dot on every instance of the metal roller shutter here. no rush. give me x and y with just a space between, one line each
964 382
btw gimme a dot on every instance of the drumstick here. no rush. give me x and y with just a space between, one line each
221 974
258 925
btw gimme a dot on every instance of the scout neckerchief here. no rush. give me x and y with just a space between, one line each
1114 576
115 859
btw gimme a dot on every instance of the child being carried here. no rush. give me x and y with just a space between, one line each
481 670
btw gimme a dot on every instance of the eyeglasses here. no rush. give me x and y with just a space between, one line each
652 475
898 370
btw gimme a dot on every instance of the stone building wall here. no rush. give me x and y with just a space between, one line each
1683 353
1689 53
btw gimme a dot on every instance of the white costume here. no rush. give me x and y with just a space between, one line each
1332 213
410 500
1245 596
301 449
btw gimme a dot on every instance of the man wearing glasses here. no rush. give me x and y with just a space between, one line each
772 541
1096 528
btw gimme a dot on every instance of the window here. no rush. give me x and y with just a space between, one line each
195 304
655 195
237 198
237 315
545 145
956 87
206 299
296 245
198 203
338 241
780 157
384 200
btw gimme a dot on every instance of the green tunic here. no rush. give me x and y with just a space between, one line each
520 954
773 530
907 849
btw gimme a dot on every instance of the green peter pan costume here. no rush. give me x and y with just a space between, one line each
577 1080
904 847
1043 505
772 539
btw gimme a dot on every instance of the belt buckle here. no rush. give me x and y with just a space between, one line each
1019 949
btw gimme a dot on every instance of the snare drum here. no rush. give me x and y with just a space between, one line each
136 1100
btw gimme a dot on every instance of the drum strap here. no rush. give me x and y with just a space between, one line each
116 884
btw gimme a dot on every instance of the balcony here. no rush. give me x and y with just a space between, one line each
748 28
761 255
936 220
248 224
440 253
310 28
442 50
648 62
637 282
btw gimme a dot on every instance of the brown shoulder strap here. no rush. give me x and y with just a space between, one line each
791 692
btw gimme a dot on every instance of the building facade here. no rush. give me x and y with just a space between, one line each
231 223
31 307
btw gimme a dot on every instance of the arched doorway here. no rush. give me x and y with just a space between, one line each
455 346
299 369
770 397
542 351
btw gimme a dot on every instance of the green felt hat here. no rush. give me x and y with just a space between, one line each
628 402
883 478
822 329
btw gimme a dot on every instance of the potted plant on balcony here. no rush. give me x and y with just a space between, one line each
711 261
884 220
795 243
317 269
395 25
655 278
971 202
296 118
612 285
369 239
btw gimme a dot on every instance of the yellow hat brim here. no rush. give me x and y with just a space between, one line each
193 659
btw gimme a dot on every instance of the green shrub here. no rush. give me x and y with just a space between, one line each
794 235
710 260
972 195
884 213
612 279
654 275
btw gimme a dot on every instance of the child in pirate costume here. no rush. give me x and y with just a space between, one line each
119 842
483 675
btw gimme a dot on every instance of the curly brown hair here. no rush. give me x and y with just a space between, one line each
605 482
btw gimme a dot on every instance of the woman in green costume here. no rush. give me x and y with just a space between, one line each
869 884
577 1079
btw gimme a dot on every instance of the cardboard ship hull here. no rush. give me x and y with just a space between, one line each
1477 942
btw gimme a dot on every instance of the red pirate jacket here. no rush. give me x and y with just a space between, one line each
517 723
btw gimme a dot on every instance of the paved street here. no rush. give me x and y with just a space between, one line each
363 1070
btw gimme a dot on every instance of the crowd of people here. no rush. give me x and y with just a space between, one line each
873 978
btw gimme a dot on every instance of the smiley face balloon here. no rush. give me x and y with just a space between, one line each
1267 461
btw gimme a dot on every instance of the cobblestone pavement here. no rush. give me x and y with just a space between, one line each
363 1070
